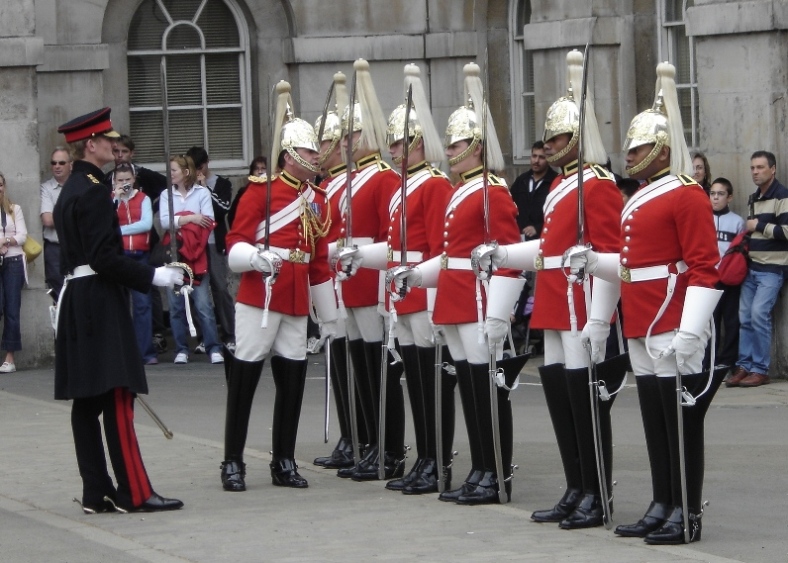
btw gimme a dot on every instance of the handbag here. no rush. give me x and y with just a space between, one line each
32 249
736 261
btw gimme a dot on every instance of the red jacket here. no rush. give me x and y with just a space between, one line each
677 225
461 230
290 292
194 245
423 206
602 205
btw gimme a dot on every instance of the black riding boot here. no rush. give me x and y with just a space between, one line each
557 398
242 378
672 531
589 512
465 386
411 356
659 459
289 379
342 456
367 399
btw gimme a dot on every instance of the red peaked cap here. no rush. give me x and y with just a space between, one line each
89 125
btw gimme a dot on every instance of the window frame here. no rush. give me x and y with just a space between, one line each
244 83
522 137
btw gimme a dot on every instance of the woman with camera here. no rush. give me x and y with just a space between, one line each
12 275
135 215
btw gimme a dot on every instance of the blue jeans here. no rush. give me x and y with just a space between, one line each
204 312
12 276
141 305
758 295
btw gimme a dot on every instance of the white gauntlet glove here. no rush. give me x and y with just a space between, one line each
164 276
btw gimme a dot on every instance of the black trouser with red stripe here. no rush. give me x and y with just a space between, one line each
117 406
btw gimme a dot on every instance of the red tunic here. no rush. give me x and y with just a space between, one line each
290 292
370 220
463 230
423 205
677 225
602 206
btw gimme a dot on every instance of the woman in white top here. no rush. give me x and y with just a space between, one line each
13 233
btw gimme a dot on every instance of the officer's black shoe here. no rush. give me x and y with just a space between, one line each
672 531
412 475
469 485
233 473
426 481
342 456
655 516
486 492
284 473
587 514
156 503
561 510
392 469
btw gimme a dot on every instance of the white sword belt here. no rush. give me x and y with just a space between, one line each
633 275
411 256
294 255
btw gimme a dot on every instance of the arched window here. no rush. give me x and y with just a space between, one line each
679 48
206 52
522 73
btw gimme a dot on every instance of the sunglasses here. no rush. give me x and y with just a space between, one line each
58 162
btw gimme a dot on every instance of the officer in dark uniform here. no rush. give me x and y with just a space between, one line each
97 362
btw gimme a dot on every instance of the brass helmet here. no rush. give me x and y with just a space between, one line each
661 126
333 128
291 132
463 125
395 131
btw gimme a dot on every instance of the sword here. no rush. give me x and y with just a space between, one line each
322 127
384 372
682 460
155 417
403 238
327 347
351 397
439 416
595 393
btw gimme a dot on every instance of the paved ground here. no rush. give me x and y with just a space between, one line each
337 520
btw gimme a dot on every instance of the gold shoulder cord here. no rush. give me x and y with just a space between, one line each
313 225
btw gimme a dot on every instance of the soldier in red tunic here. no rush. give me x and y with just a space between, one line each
565 373
667 263
460 301
373 184
272 317
428 190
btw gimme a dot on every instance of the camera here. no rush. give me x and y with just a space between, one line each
126 187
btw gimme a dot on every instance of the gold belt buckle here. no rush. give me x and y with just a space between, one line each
539 262
296 256
390 255
340 243
444 262
625 274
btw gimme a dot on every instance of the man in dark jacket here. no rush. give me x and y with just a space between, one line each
97 360
529 192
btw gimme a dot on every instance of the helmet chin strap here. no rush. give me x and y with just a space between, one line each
466 153
300 160
646 162
324 156
411 148
563 152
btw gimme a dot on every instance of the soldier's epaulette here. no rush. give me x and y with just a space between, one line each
257 179
93 179
602 173
494 180
686 180
383 165
437 173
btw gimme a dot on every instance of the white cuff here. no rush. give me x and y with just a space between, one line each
604 299
324 300
375 256
502 296
699 305
430 270
239 259
608 266
521 255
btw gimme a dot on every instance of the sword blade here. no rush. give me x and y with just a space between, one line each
601 470
499 468
349 162
155 417
384 372
165 111
439 417
322 127
403 235
581 126
682 457
327 409
351 393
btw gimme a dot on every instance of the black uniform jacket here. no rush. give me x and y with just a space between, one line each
95 349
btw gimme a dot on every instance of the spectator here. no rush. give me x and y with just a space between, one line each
702 171
151 183
726 315
768 225
135 216
191 206
221 190
529 192
257 169
12 275
60 161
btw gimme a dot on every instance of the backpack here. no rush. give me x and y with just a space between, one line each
736 260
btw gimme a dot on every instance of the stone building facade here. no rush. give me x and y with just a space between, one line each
60 58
